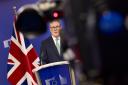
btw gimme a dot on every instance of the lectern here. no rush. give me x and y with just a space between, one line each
57 73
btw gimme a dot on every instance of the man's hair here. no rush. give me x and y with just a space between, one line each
54 20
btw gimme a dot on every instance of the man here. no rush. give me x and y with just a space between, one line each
51 50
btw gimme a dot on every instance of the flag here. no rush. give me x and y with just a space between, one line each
22 59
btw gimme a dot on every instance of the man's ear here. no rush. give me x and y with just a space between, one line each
50 29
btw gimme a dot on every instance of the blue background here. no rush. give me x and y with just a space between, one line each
6 20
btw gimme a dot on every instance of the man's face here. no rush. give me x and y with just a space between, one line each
55 28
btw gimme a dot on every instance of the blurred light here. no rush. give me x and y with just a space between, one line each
47 6
55 14
111 22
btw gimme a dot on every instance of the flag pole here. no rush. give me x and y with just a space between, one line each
14 24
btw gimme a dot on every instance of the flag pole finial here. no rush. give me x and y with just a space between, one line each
14 9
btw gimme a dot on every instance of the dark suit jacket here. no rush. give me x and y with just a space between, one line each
49 52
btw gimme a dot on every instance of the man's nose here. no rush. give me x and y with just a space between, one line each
55 29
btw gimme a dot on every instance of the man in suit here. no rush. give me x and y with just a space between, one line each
51 50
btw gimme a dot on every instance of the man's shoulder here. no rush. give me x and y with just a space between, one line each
46 41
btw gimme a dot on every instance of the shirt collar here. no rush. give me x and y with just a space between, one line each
55 38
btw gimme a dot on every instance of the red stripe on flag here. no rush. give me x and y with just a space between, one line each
25 63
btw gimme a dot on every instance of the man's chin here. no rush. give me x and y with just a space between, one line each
56 36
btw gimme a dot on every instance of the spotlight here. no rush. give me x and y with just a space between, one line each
55 14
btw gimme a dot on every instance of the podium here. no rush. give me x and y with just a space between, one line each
57 73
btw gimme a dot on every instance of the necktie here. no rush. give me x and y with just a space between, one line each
57 45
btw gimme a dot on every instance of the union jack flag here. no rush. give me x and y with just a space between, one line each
22 59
